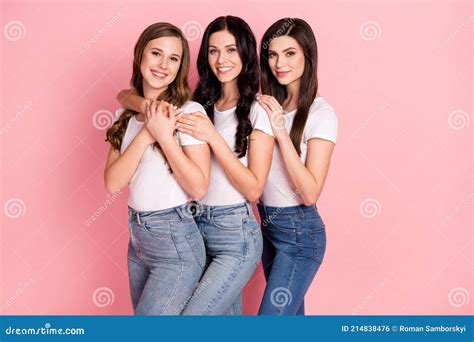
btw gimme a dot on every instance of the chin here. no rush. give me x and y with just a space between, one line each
227 78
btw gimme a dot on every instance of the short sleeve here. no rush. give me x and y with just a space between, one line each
259 119
118 112
322 123
186 139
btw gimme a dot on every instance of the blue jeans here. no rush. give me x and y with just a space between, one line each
233 243
166 258
294 242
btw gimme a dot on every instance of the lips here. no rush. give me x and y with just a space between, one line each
223 70
282 73
158 74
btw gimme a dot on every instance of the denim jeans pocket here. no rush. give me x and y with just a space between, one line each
282 223
155 241
157 228
228 222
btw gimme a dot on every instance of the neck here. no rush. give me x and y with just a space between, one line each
150 92
293 92
229 91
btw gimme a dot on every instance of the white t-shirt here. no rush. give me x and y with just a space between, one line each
321 123
152 186
221 191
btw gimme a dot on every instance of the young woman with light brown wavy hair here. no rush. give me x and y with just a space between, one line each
164 170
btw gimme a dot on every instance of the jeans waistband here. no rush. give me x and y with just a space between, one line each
178 212
297 209
215 210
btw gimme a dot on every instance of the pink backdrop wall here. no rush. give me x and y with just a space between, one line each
397 203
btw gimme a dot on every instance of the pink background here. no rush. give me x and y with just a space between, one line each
398 199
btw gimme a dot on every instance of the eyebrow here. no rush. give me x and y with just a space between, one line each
287 49
173 54
225 46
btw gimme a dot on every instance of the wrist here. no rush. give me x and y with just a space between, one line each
214 138
166 140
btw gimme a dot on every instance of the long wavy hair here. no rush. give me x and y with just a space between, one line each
208 90
299 30
177 93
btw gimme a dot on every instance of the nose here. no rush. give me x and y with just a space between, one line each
163 63
221 59
279 62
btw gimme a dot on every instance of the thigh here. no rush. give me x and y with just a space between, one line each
234 248
176 255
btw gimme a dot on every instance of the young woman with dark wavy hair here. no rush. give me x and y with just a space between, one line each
305 128
166 254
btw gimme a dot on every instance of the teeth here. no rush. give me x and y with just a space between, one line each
159 74
224 69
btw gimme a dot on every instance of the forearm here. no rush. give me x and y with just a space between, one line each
241 177
130 99
306 186
118 175
188 175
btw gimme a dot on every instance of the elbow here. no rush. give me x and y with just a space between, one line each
111 187
254 195
198 194
310 199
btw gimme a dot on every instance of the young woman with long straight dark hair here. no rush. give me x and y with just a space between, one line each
166 254
305 128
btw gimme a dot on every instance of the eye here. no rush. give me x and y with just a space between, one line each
290 53
212 51
155 53
271 55
231 50
174 59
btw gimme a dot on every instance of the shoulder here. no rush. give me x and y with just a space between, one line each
193 106
320 110
119 112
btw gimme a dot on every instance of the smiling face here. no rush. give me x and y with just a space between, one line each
160 62
223 56
286 59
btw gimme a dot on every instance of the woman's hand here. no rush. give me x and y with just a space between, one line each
197 125
275 114
161 119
